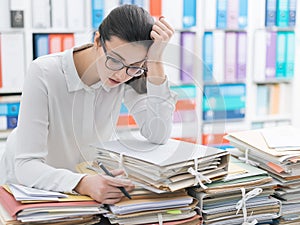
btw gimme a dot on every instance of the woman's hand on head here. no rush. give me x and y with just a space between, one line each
103 188
161 34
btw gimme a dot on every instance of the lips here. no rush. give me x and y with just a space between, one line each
114 81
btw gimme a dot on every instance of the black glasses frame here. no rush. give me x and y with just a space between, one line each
108 57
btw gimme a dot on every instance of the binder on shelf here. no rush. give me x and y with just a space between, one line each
274 103
262 100
221 14
17 13
5 15
13 63
175 15
185 91
230 56
258 20
232 14
40 12
1 75
140 3
9 111
41 45
243 14
109 5
187 42
76 17
292 13
270 19
281 54
282 17
241 56
210 9
290 54
218 55
55 43
58 14
123 2
259 56
155 8
208 56
171 59
224 101
270 71
189 13
98 8
68 41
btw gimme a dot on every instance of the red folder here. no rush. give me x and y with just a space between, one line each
12 206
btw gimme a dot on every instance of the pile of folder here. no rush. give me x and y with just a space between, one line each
276 150
221 202
161 174
44 207
169 167
147 207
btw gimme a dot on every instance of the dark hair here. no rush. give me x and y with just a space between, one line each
128 22
133 24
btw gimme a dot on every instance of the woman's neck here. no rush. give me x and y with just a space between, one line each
85 63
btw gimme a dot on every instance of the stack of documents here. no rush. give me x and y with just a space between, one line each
276 150
165 167
282 161
45 207
148 207
218 202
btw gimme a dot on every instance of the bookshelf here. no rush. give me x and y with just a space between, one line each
198 22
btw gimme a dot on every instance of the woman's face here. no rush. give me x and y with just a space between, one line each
120 61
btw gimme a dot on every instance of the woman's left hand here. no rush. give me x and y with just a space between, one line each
161 34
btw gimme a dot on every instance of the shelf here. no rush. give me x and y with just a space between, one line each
275 81
270 118
4 134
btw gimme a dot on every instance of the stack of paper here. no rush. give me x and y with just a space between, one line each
276 150
218 202
68 210
165 167
148 207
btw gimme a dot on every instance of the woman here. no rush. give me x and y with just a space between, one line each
73 99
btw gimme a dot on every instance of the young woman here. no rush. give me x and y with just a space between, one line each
73 99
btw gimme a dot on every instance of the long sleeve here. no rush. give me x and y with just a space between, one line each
153 111
31 139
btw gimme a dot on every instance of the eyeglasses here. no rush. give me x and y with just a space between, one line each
116 64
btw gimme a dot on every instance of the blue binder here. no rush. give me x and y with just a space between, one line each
270 18
221 14
98 7
189 13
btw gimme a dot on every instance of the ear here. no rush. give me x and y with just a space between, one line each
97 39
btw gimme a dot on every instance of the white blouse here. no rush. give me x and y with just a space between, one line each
60 117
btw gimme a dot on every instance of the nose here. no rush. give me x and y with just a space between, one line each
121 74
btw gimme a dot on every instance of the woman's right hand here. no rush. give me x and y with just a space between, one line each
103 188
